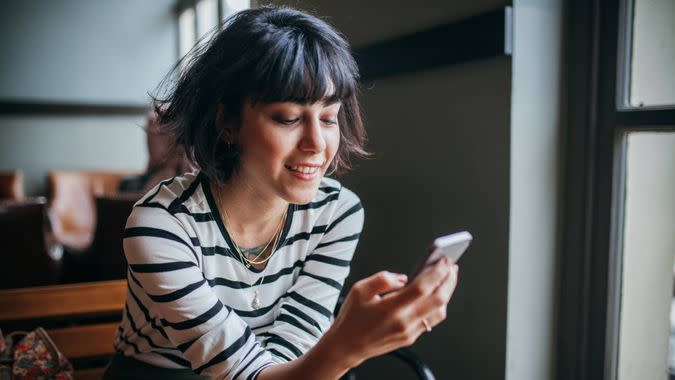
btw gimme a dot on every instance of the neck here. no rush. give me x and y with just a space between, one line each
251 218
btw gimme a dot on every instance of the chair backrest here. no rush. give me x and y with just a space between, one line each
71 202
11 185
81 319
106 250
25 253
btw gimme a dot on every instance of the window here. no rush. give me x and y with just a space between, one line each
198 18
646 312
652 78
642 263
619 222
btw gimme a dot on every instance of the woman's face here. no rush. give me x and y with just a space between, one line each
285 148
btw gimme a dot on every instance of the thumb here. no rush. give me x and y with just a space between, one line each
381 282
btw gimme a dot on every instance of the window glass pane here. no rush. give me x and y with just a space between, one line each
653 56
186 31
233 6
645 328
207 16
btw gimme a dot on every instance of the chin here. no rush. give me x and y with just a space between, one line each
302 196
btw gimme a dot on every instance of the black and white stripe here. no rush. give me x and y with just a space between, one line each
189 296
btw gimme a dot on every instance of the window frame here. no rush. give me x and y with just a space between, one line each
183 5
598 119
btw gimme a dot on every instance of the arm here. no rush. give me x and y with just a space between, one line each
379 315
371 324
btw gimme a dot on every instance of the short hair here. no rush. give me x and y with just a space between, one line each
267 54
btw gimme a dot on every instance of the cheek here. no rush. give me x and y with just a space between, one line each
333 143
269 151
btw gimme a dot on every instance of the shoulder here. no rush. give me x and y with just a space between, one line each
332 195
178 195
185 189
332 204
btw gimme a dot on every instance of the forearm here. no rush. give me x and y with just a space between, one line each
328 359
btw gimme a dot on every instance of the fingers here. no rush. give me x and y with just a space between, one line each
426 283
447 288
434 308
379 283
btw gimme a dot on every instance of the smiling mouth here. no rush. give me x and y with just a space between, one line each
303 169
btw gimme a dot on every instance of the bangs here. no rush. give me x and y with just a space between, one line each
295 69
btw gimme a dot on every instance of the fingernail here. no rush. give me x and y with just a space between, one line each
402 278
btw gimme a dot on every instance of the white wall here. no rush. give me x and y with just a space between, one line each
39 144
534 171
80 51
90 51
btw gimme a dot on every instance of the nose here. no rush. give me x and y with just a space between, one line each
313 139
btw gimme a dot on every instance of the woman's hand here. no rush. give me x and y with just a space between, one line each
381 313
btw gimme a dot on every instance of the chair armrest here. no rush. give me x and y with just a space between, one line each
407 355
415 362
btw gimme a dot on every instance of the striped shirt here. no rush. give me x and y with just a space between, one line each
189 297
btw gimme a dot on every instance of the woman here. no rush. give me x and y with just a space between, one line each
234 270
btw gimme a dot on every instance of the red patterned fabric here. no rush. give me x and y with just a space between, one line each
35 357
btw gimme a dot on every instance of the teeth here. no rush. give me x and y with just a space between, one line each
304 169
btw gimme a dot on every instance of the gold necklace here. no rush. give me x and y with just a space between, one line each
242 257
249 262
255 302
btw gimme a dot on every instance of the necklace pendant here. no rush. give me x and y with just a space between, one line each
255 303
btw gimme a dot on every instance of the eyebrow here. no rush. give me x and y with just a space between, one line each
330 103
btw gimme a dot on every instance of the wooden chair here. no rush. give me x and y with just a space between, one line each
71 203
11 185
26 245
81 319
106 253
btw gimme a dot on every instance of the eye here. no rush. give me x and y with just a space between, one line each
329 121
285 121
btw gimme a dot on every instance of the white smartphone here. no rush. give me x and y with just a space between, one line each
452 246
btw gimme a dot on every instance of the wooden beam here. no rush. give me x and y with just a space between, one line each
482 36
16 107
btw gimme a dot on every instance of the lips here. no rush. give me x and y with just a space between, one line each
304 168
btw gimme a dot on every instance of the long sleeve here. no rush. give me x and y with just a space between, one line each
169 290
306 310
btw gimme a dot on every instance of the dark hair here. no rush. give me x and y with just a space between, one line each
265 54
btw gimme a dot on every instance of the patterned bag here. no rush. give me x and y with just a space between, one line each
32 356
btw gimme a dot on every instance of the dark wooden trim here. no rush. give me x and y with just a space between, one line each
575 286
649 119
8 107
478 37
608 205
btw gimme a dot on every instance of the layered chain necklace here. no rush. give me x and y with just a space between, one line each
256 256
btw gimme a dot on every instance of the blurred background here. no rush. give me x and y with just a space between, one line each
543 127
